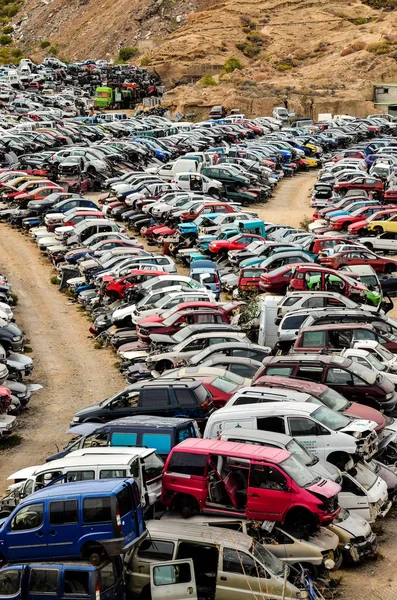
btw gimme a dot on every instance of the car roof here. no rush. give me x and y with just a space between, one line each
331 326
359 269
302 385
94 486
258 435
70 461
307 358
248 451
169 529
147 421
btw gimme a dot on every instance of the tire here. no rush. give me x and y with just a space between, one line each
214 192
164 365
371 402
340 267
339 459
378 230
300 521
186 505
390 268
343 191
94 553
369 245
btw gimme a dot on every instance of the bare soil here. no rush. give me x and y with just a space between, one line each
72 372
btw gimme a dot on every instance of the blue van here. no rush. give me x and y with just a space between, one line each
161 433
58 581
206 272
90 520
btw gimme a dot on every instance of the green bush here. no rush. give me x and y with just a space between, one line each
5 39
8 29
255 38
284 67
53 50
380 48
44 44
17 53
232 64
207 80
127 52
381 4
146 61
11 10
249 49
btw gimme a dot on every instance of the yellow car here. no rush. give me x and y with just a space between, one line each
312 162
378 227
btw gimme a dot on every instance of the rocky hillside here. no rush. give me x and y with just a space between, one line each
321 55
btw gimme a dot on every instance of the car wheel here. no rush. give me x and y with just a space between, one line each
163 365
390 268
378 230
369 245
339 459
301 522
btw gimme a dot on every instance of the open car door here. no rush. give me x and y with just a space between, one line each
174 580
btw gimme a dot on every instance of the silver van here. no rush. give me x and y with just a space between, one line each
228 564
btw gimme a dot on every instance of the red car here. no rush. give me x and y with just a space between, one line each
365 182
187 313
205 209
277 281
116 288
345 285
80 215
360 257
360 227
237 242
343 221
249 278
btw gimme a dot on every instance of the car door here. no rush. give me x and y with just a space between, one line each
156 401
25 534
44 583
308 433
268 494
64 528
345 383
353 498
124 405
174 580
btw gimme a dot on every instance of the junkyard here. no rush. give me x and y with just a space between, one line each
197 345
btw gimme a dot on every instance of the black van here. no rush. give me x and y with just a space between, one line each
161 433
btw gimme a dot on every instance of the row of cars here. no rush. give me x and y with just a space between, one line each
161 322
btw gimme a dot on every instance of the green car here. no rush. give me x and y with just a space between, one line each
374 296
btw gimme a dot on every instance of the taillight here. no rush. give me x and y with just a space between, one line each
98 591
118 519
266 280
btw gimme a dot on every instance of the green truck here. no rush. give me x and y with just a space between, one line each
104 97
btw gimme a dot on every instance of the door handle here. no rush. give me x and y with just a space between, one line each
52 532
40 534
190 590
253 495
223 578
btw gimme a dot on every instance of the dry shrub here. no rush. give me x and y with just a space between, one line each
355 47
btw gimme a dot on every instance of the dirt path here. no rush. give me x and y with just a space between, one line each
72 372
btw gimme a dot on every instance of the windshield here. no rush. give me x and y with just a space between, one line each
301 453
330 418
298 472
363 372
376 363
384 352
267 559
183 334
227 385
334 400
364 476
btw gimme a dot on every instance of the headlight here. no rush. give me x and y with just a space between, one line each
389 396
76 419
17 338
357 435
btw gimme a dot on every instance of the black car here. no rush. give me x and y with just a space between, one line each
169 398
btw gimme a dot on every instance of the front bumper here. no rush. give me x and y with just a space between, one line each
357 552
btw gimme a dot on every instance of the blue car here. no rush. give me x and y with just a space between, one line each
85 520
206 272
58 581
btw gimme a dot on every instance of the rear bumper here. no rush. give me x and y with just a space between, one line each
357 552
114 547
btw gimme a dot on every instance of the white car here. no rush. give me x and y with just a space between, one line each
327 434
385 242
369 360
195 182
364 494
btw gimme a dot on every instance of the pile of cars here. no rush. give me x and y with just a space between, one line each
14 365
259 436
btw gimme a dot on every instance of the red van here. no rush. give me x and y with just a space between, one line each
257 482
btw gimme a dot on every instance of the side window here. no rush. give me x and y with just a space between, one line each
43 581
300 426
171 574
293 322
241 563
188 463
315 302
10 582
156 550
29 517
314 339
107 576
268 478
364 334
348 485
185 397
123 439
275 424
97 510
283 371
311 373
184 433
124 501
338 377
112 473
80 476
76 583
196 345
160 441
64 511
154 398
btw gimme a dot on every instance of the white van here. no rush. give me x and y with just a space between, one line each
364 494
143 464
327 434
182 165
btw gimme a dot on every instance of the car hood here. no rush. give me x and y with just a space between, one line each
88 410
162 338
324 539
23 473
367 413
326 470
360 425
324 488
354 525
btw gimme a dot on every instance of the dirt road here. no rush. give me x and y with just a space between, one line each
72 372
